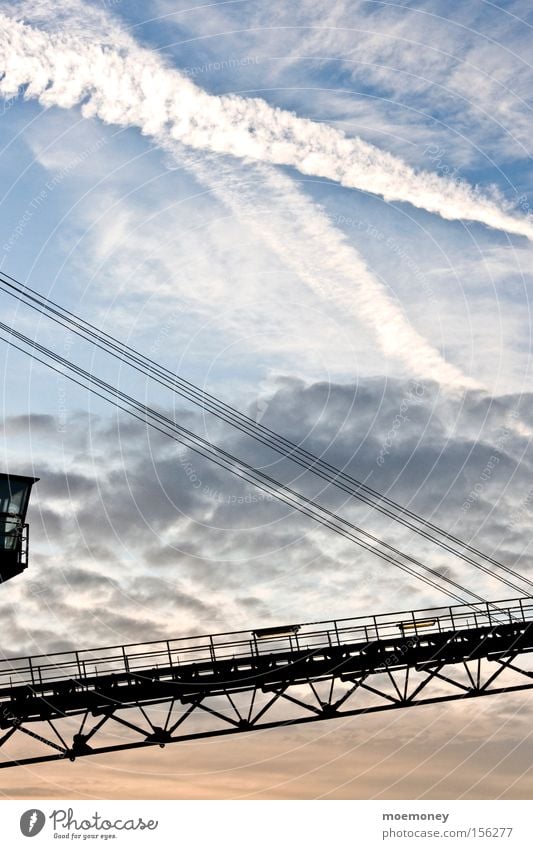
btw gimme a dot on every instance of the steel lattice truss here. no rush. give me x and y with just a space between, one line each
83 703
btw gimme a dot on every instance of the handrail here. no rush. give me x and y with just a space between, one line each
227 646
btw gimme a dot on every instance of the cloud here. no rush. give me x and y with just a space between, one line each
271 219
199 561
141 554
305 239
423 76
176 553
300 234
132 87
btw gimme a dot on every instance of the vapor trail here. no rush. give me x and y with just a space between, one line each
136 88
303 237
296 229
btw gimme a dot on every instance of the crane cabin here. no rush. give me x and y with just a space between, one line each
15 493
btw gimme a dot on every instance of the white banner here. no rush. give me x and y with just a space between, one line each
266 824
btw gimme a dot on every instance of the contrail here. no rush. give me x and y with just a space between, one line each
301 234
133 87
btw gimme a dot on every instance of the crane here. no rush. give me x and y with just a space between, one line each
252 680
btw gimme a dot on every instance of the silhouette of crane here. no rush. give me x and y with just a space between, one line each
217 685
221 684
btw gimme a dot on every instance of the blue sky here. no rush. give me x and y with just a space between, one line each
304 208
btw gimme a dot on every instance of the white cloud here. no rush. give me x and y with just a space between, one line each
308 243
461 76
131 86
139 90
299 233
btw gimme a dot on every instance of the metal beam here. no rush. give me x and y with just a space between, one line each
235 685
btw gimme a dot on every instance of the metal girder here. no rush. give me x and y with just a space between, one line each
113 708
407 688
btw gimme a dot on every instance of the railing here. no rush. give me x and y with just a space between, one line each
24 545
11 532
14 540
311 636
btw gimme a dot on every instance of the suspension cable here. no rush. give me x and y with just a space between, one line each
224 459
255 430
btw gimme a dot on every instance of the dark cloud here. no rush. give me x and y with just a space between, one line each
155 594
35 423
159 540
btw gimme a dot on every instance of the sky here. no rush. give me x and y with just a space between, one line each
319 213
